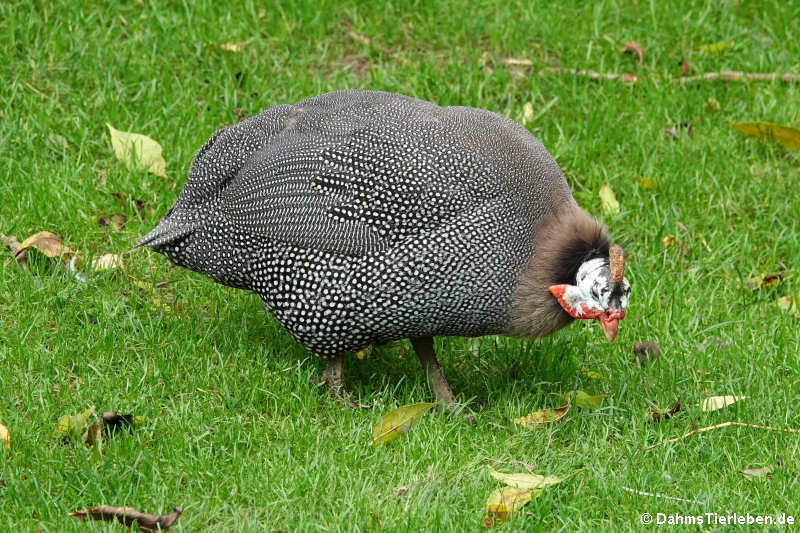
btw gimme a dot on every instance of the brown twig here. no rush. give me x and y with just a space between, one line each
128 515
592 75
718 426
724 75
736 75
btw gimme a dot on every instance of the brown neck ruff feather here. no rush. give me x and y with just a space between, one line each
563 241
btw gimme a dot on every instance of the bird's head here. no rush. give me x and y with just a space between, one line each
601 291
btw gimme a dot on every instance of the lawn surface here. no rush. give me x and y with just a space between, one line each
235 433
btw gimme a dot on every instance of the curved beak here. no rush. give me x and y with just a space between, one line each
610 326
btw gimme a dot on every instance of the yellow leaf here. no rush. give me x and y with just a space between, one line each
523 480
106 262
715 48
398 421
502 503
138 151
72 427
668 240
364 353
583 400
592 374
5 436
543 416
608 201
755 473
712 105
785 136
718 402
646 183
233 47
527 113
790 304
158 303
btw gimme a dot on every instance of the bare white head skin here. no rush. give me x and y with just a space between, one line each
601 292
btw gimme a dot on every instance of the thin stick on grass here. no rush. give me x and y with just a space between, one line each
736 75
723 75
718 426
664 496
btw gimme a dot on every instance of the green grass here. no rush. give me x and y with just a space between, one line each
235 433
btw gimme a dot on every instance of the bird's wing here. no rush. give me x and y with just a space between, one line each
357 174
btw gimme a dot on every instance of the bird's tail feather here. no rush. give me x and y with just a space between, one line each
166 231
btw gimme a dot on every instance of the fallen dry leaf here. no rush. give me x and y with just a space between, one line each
632 47
646 351
5 436
657 415
718 402
138 151
524 480
785 136
116 221
756 473
527 113
233 47
686 67
46 242
608 200
668 240
789 304
504 502
129 516
648 184
763 281
106 262
399 421
543 416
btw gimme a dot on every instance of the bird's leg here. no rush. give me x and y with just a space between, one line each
427 358
333 378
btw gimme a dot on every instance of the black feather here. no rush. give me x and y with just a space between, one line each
576 250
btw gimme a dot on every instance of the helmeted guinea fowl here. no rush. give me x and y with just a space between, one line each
362 217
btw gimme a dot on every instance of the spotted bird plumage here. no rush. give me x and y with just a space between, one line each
361 217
